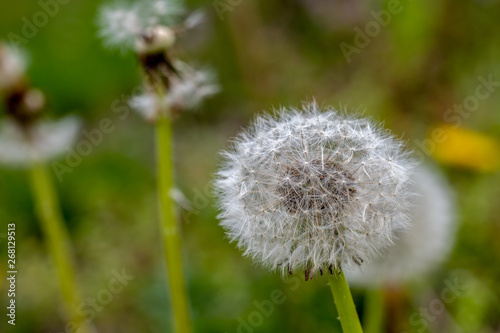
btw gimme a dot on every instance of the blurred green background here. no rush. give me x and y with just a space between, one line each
266 53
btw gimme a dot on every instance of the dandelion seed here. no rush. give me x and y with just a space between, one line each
422 247
314 178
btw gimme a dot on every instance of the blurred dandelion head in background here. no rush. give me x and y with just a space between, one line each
425 245
311 189
24 137
42 141
150 27
23 103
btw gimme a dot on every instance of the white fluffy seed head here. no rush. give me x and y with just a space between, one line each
120 25
165 12
312 189
123 25
425 245
191 87
186 91
148 105
43 140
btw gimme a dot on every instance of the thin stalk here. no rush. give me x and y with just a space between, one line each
58 240
373 319
169 227
343 301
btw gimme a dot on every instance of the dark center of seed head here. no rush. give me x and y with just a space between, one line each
316 188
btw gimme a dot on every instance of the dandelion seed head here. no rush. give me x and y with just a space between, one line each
308 189
425 245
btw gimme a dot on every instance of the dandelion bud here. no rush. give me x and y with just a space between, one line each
311 190
422 247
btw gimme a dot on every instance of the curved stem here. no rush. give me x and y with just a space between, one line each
373 319
169 227
58 240
343 301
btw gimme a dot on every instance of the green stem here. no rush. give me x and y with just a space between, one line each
58 240
373 319
170 228
344 303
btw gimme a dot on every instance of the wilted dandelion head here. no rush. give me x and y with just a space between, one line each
312 189
24 137
191 87
187 90
148 27
422 247
126 25
23 103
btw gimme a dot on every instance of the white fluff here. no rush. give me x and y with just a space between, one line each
192 87
186 91
425 245
122 23
147 105
46 140
311 189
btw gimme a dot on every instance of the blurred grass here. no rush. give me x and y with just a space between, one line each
266 53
